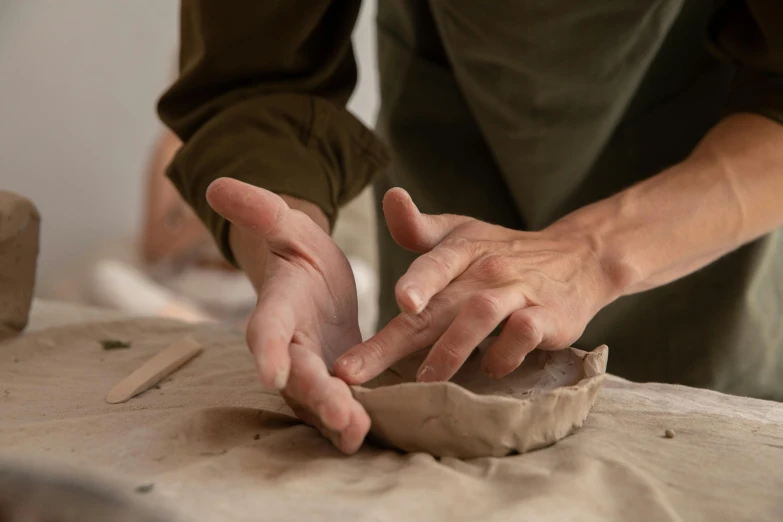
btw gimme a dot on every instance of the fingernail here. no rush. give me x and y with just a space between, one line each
351 364
416 298
281 378
426 374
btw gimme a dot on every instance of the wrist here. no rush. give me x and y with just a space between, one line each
600 228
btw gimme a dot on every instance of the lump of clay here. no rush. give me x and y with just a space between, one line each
547 398
19 229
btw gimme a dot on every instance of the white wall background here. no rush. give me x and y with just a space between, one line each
78 84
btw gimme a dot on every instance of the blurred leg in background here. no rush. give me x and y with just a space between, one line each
173 269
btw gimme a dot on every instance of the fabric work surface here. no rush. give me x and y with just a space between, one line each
217 447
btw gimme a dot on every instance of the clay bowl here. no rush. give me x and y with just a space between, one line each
547 398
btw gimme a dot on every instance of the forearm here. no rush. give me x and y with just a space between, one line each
260 98
727 193
251 252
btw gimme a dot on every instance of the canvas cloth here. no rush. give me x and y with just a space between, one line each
217 447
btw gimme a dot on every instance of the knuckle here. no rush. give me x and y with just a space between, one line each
313 399
504 361
485 305
420 322
524 328
441 260
451 356
564 338
374 350
492 267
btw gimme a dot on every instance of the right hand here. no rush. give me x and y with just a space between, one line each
306 315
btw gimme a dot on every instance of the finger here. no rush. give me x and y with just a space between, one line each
309 418
325 396
432 272
269 333
260 211
404 335
475 321
525 330
302 413
410 228
351 438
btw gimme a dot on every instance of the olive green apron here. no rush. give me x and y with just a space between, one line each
518 112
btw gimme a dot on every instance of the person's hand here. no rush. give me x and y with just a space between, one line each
472 277
306 315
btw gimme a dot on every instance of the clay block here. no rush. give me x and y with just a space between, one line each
19 232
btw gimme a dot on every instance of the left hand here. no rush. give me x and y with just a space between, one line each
473 276
306 314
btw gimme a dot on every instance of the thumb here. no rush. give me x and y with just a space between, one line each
413 230
257 210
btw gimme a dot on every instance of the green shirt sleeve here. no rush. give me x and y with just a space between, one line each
261 97
750 34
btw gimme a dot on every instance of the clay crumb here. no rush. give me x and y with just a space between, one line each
256 436
669 434
213 454
145 488
114 344
15 359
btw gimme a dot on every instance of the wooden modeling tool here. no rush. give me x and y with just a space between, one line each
155 370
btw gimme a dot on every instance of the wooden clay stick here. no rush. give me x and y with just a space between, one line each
155 370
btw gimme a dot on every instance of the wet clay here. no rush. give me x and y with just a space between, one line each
19 232
547 398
